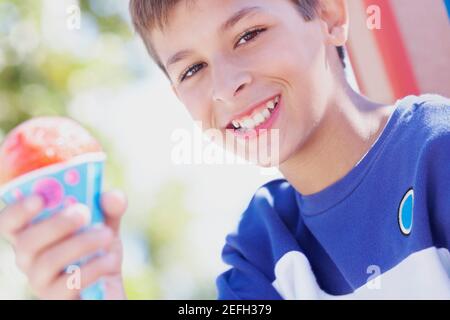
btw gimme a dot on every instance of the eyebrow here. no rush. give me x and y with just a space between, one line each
180 55
239 15
228 24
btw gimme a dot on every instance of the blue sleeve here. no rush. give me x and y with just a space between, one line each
439 190
263 236
436 178
244 281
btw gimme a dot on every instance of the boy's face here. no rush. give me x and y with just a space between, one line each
230 71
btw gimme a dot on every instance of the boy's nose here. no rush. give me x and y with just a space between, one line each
228 81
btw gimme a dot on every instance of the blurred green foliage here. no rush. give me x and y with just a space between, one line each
37 81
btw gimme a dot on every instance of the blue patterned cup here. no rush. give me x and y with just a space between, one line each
78 180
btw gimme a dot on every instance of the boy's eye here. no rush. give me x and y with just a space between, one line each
246 37
249 36
191 71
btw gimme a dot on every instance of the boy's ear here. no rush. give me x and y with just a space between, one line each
334 16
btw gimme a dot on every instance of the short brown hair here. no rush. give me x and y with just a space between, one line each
148 14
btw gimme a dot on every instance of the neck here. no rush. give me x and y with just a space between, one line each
349 128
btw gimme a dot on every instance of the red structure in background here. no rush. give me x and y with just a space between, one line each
393 52
408 54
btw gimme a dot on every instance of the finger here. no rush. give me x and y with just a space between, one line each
70 285
114 204
50 263
36 238
17 216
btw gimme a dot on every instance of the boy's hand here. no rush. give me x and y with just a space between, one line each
44 249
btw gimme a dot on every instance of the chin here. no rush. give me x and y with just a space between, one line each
269 159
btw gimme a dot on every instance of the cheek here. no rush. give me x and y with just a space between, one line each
303 66
199 106
301 63
302 69
292 58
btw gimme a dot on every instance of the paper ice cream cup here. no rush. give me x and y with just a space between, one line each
78 180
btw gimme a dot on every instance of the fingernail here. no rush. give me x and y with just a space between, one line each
80 211
119 195
34 203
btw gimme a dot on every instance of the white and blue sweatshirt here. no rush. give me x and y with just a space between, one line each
380 232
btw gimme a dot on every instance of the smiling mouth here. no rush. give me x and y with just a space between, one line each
256 119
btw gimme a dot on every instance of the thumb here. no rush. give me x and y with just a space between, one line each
114 205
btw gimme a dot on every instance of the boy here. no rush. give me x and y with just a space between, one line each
364 209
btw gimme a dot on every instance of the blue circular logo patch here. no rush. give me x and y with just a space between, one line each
405 212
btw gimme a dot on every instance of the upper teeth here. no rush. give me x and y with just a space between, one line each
235 124
257 117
